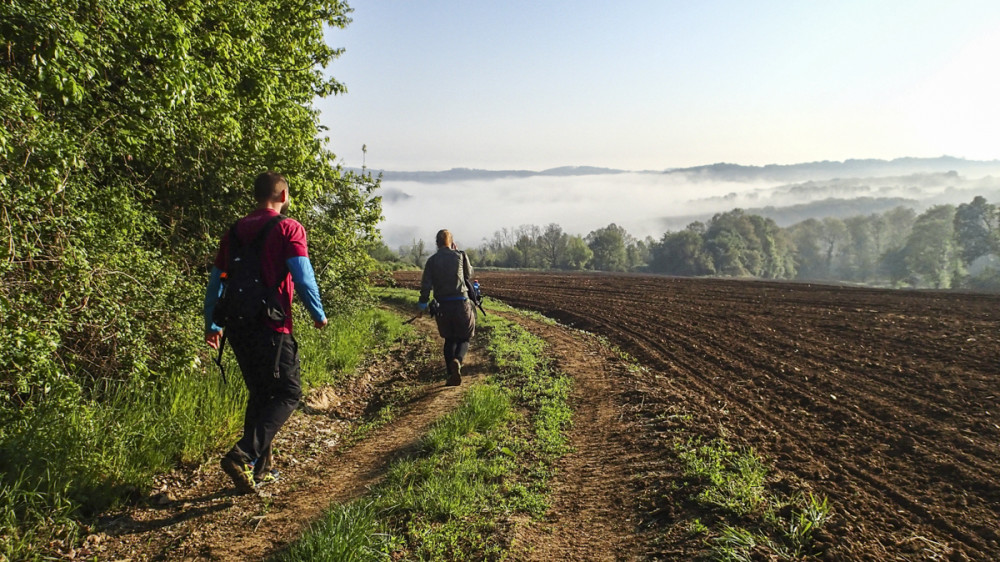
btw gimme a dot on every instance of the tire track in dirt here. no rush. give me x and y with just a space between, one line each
200 520
593 514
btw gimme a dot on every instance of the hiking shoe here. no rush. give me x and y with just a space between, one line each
269 477
454 373
238 470
263 465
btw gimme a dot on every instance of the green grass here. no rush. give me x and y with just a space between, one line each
476 469
72 454
750 520
732 481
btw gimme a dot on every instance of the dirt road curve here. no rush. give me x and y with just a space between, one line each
888 402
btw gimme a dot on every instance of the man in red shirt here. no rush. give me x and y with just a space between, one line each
265 349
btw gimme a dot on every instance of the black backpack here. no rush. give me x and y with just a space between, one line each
245 299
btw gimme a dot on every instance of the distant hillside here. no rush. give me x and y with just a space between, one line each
840 198
913 186
467 174
835 208
788 215
807 171
832 169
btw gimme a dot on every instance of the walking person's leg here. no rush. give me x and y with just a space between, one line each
458 327
250 349
284 391
452 362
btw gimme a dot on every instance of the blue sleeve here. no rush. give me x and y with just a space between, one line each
212 294
306 287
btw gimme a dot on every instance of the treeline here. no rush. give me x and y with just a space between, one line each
130 136
943 247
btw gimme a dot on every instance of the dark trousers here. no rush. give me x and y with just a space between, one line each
456 322
455 349
269 362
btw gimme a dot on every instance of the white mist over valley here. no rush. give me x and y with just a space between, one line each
474 204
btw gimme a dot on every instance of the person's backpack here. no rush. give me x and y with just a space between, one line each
246 299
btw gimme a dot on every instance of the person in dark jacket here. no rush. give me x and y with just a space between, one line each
266 350
445 274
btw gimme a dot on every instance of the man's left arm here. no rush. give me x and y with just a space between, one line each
305 285
296 252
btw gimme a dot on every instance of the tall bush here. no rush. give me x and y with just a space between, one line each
130 133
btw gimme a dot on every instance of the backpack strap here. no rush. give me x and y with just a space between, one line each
258 241
258 245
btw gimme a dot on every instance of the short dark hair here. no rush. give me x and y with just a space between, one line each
268 185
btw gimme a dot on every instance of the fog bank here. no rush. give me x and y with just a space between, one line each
644 203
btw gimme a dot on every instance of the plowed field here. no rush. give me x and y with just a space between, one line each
887 402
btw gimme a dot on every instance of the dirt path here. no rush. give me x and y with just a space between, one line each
593 514
593 509
195 516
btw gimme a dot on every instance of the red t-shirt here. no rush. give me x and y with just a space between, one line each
287 239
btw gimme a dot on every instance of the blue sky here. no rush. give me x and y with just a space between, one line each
650 85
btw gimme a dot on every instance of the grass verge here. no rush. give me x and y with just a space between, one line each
72 455
478 468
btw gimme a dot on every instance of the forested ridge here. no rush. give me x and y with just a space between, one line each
131 133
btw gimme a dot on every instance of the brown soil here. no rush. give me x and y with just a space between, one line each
887 402
593 514
194 515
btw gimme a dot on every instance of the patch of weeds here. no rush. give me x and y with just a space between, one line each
345 533
696 527
732 481
504 307
754 522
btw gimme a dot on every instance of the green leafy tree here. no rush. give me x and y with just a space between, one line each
805 239
416 252
776 248
608 246
976 228
832 239
681 253
859 256
380 252
890 233
130 134
552 244
931 251
639 253
528 248
578 253
731 240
